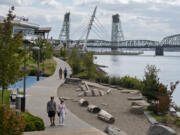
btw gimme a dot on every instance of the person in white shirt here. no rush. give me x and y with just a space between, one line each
61 110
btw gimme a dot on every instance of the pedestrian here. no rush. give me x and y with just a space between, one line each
60 73
51 110
61 112
65 73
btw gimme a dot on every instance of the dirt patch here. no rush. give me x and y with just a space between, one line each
115 103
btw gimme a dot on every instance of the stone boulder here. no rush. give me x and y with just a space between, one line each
137 109
95 92
93 109
83 88
112 130
105 116
130 91
83 102
178 114
158 129
140 103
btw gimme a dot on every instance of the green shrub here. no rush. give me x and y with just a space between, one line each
33 72
151 83
10 124
152 108
32 123
103 79
163 118
114 80
82 75
177 122
131 82
177 108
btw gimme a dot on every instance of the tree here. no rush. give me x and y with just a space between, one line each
46 50
75 61
89 64
11 53
151 83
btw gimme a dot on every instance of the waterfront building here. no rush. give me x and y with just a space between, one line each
30 31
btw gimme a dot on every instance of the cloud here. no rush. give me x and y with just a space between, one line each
51 3
141 19
99 2
16 2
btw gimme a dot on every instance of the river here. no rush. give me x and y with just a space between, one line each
134 66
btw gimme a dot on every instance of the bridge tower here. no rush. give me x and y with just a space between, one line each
117 33
64 34
89 28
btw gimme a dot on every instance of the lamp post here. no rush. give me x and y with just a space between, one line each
23 106
38 61
24 88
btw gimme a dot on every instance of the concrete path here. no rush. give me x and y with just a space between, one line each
37 97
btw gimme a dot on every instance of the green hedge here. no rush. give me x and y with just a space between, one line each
131 82
33 123
126 81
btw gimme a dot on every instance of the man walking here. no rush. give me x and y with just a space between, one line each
65 73
51 110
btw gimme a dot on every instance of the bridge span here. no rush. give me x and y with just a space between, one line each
167 42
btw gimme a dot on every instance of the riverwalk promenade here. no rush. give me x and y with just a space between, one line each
37 97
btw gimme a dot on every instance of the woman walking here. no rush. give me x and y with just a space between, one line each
60 73
61 112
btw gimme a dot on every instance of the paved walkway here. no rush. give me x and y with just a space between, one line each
37 97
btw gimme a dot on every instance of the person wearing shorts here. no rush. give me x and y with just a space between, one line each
51 110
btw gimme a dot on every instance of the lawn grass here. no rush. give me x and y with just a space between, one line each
48 67
6 96
163 118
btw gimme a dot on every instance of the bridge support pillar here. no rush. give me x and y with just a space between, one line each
159 51
114 48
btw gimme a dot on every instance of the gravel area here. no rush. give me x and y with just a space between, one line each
117 105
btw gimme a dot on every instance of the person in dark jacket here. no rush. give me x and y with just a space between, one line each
65 73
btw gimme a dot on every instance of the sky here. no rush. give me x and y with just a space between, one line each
140 19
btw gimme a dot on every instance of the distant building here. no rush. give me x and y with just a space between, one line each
30 31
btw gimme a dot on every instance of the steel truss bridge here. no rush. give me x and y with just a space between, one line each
124 44
172 41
